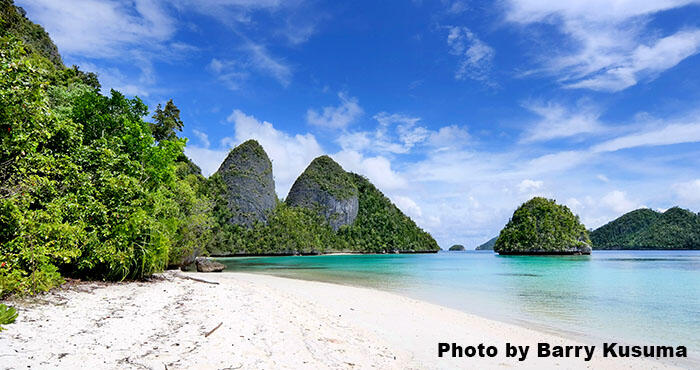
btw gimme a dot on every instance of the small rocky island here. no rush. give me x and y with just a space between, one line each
457 247
542 227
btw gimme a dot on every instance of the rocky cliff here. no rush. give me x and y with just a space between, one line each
326 188
249 188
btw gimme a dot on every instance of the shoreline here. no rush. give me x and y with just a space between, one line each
235 255
266 322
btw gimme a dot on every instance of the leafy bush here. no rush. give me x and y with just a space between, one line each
7 315
86 190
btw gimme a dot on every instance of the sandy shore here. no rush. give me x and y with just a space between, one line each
267 323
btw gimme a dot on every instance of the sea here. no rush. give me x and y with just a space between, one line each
629 297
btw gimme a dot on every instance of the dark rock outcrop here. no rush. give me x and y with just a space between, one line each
325 187
208 265
248 184
457 247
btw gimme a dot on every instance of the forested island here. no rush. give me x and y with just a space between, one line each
457 248
91 189
488 245
541 227
676 228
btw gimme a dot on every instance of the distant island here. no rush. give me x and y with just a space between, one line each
488 246
644 228
457 247
541 227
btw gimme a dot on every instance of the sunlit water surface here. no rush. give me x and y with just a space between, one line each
634 297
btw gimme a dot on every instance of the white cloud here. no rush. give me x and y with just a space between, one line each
203 138
336 117
602 177
559 122
114 34
230 72
401 134
619 202
207 159
408 206
264 62
688 193
233 73
676 133
92 28
529 186
612 51
377 169
449 137
113 78
475 56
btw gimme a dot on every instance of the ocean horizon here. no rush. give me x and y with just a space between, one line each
628 297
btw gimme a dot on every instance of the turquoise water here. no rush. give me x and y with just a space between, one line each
633 297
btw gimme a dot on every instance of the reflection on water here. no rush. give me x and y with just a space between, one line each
641 297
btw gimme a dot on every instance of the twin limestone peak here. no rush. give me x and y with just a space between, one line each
324 186
250 188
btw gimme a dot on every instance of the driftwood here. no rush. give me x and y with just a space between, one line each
197 279
212 330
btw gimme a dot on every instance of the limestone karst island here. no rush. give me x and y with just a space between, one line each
226 184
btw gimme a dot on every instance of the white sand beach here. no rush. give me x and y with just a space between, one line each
266 323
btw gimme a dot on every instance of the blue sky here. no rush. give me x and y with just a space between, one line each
458 110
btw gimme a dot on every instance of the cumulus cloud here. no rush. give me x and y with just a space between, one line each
688 193
611 53
529 186
619 202
400 134
408 206
475 56
377 169
336 116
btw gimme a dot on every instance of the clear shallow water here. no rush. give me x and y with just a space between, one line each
634 297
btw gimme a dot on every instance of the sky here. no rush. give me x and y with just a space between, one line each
457 110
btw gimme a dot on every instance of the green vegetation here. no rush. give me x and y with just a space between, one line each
330 177
381 227
457 247
89 189
33 36
167 121
647 229
7 315
488 246
86 189
540 226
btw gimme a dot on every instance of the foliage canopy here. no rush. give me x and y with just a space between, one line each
542 226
